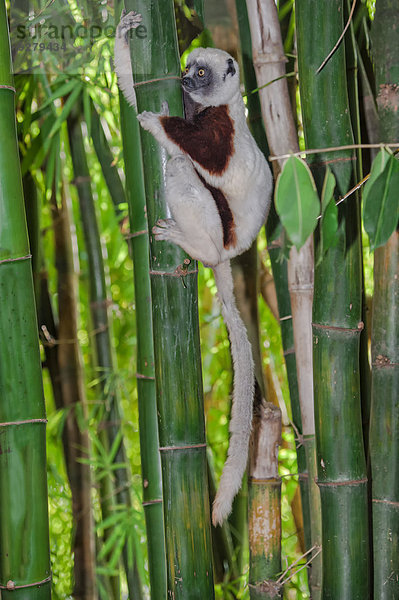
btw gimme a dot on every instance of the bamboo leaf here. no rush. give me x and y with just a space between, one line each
380 202
297 202
52 161
87 109
328 190
69 104
62 90
329 216
38 149
112 540
377 168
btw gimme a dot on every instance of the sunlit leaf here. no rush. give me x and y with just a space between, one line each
297 202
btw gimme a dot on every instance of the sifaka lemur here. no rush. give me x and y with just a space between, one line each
218 188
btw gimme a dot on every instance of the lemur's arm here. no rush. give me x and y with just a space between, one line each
122 62
208 138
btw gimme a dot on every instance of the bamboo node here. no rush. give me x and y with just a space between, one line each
146 377
133 234
187 447
8 87
178 272
10 585
18 258
25 422
151 502
136 84
269 58
381 361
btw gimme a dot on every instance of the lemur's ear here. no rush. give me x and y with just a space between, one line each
230 68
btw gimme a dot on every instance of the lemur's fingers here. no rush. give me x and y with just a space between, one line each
149 121
165 109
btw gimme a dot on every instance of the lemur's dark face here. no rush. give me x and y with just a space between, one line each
211 77
198 77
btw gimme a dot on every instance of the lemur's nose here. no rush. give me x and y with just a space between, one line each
188 83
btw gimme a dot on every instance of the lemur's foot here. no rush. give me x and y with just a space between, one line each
165 109
163 229
128 22
177 165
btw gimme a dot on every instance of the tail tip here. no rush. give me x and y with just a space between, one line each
221 509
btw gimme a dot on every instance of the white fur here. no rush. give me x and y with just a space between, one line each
196 227
122 63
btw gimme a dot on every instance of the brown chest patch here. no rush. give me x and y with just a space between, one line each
207 138
226 216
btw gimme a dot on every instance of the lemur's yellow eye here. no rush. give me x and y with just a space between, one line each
186 70
201 72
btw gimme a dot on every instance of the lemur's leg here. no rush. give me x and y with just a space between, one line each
196 225
122 63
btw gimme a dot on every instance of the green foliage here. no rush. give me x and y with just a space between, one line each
297 202
44 152
329 215
380 199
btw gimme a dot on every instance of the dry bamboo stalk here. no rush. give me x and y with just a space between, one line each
269 62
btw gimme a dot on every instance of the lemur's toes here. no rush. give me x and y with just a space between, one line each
165 109
163 229
128 21
165 223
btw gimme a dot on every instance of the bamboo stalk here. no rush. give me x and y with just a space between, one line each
24 534
146 391
353 89
384 422
264 504
279 268
336 313
149 439
269 63
176 332
106 160
75 439
109 427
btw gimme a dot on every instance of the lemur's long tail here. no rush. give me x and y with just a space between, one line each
243 392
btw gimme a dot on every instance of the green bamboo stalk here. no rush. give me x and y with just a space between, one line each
352 61
384 426
146 390
246 291
24 534
176 331
98 309
336 313
149 440
109 428
106 160
223 548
